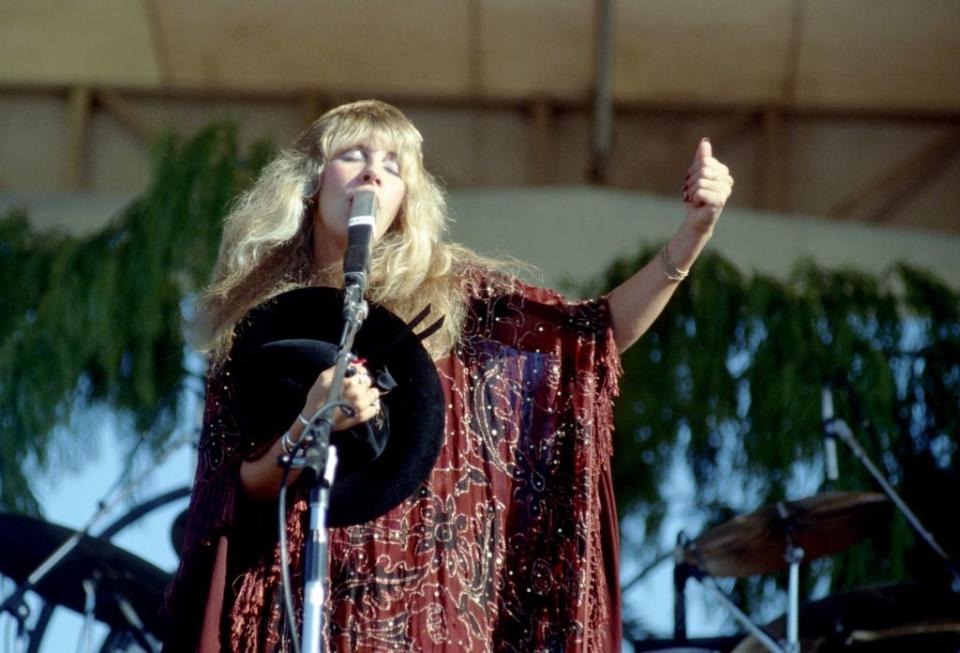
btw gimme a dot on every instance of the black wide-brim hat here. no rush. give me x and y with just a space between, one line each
280 348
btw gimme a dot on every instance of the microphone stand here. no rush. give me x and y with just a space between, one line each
838 429
321 457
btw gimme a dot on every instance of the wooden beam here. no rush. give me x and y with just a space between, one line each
475 78
736 127
792 64
775 167
78 119
541 141
311 105
157 41
877 199
470 101
602 141
121 109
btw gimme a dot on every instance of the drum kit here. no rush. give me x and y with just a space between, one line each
775 539
86 574
897 618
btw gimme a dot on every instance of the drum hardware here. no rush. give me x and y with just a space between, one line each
97 578
707 581
905 631
772 539
89 607
887 618
692 645
67 564
681 573
839 429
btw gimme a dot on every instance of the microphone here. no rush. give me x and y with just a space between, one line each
356 260
829 439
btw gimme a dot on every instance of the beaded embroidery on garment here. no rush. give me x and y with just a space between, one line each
509 545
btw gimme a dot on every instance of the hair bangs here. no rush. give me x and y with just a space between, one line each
367 122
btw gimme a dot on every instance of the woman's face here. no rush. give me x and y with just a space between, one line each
367 165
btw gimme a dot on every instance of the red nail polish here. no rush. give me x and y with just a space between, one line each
686 197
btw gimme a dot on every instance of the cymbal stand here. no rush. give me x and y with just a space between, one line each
21 612
136 628
839 429
793 556
89 609
707 581
321 458
14 602
681 572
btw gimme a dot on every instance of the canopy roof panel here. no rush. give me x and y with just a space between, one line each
820 53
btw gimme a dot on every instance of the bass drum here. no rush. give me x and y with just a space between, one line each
679 649
893 619
124 642
691 645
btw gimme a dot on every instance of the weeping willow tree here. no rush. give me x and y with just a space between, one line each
729 381
730 376
96 321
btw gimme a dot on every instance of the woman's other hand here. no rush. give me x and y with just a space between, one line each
358 392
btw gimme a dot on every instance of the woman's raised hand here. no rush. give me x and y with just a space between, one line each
706 188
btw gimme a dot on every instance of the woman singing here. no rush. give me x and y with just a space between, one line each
510 543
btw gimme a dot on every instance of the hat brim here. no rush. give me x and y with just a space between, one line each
272 389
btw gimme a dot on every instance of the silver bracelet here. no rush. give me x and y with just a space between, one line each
287 443
672 272
303 420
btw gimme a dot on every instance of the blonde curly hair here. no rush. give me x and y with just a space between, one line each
267 245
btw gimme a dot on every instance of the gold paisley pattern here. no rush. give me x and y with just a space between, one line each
500 548
509 545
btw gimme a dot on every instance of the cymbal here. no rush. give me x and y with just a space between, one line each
28 541
821 525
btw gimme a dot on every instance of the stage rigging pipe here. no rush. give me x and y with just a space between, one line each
602 102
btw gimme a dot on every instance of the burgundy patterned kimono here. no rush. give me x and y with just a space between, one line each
510 544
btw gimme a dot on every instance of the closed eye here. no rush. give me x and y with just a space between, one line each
392 166
353 154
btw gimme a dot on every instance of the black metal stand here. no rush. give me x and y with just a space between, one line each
839 429
761 636
681 572
14 603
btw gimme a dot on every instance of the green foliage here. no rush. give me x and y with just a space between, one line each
732 374
96 320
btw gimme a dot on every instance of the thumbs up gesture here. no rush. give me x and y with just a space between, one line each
706 188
